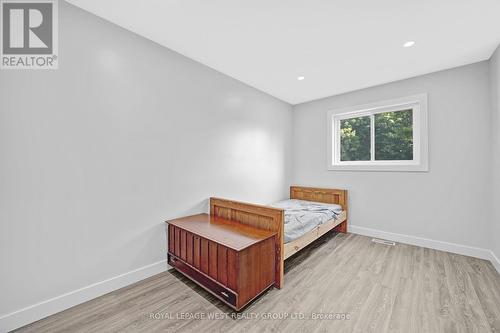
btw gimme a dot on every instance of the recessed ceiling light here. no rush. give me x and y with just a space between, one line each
300 78
409 43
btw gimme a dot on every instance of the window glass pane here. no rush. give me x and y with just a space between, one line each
355 139
394 136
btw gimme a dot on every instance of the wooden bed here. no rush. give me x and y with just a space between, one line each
269 218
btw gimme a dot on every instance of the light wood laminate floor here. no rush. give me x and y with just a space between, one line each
379 288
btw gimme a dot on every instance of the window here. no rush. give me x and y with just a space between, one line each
384 136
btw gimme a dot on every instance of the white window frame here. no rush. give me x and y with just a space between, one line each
420 162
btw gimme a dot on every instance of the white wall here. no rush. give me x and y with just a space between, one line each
126 134
495 107
451 202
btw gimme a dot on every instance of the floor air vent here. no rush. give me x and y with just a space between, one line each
383 241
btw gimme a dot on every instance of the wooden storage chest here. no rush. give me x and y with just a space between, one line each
233 261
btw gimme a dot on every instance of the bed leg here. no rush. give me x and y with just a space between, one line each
342 227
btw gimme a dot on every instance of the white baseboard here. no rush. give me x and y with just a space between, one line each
495 261
425 242
48 307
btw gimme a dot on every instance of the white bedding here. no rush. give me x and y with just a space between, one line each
303 216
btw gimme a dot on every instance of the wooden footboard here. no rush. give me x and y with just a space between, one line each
258 216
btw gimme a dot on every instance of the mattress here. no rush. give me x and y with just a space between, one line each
303 216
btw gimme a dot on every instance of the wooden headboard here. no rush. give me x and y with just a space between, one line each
258 216
325 195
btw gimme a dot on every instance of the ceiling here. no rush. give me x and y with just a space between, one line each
337 45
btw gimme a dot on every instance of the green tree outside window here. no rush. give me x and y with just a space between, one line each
393 137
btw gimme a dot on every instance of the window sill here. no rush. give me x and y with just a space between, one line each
393 168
